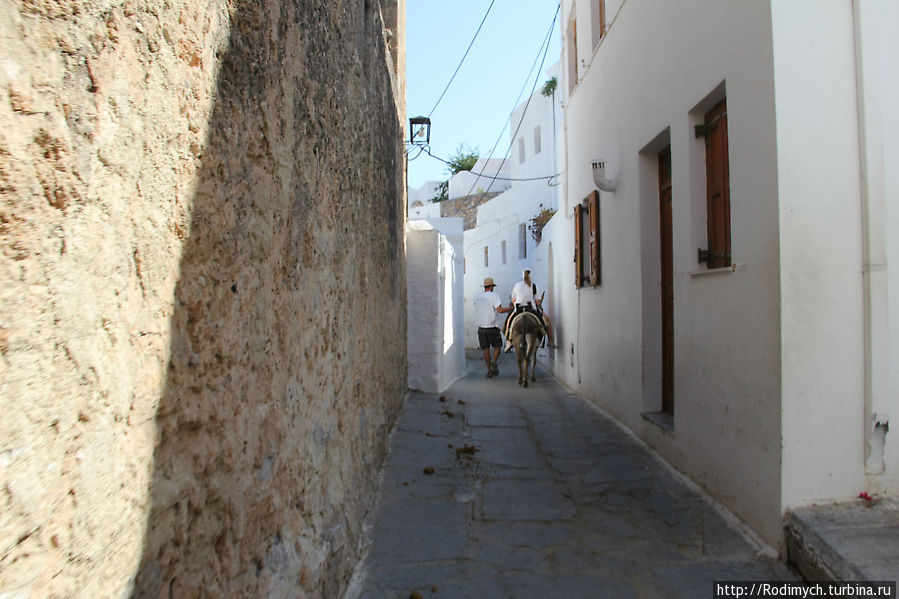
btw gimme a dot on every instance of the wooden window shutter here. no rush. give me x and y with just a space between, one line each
578 246
717 187
593 211
572 55
602 18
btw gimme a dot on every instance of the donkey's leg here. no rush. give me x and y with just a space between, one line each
537 341
518 358
529 344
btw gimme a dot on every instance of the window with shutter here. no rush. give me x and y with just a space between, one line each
593 209
599 21
522 241
572 53
587 254
718 254
579 245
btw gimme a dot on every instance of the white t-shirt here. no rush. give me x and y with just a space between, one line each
485 305
523 293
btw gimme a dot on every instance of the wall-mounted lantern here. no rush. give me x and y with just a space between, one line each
420 130
603 182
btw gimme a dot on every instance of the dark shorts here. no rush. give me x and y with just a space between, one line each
489 337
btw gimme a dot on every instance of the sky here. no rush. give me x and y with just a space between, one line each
483 94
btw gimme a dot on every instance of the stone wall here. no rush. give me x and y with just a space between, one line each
465 207
203 298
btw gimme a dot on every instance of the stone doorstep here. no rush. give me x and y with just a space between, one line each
813 558
822 541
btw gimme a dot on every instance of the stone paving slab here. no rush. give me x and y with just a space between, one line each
491 490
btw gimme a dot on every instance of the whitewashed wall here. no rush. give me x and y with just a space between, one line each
487 176
649 81
839 307
553 259
771 374
498 222
885 80
420 204
435 328
821 254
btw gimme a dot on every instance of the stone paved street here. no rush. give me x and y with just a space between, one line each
498 491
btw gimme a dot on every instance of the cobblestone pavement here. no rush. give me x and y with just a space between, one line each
491 490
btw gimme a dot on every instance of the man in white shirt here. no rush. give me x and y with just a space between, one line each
524 300
487 306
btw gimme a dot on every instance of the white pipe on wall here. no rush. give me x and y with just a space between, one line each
873 213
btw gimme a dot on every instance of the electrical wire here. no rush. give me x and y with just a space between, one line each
436 104
544 49
420 150
531 96
515 105
426 150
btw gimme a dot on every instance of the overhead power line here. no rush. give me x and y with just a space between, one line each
544 49
427 150
436 104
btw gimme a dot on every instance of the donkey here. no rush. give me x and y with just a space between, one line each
527 333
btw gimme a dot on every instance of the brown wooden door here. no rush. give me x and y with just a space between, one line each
667 259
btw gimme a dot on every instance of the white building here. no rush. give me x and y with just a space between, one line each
434 292
489 175
761 131
501 243
434 269
420 204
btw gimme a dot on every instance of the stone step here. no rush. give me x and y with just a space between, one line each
851 541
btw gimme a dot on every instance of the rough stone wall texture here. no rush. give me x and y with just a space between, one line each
203 293
465 207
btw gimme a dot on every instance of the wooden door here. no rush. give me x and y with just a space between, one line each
667 269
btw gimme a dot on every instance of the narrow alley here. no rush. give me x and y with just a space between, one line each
491 490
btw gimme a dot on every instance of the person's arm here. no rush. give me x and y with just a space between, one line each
504 309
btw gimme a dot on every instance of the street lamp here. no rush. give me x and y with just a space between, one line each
420 130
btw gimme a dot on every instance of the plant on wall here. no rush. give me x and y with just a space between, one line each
463 159
549 88
539 221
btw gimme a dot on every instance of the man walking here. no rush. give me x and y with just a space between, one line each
486 307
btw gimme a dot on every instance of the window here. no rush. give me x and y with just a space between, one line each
486 258
522 241
587 241
599 21
504 250
572 52
537 140
520 150
717 174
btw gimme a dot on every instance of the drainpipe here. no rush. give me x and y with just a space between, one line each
575 352
873 213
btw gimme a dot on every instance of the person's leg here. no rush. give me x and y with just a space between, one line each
508 327
496 342
484 344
